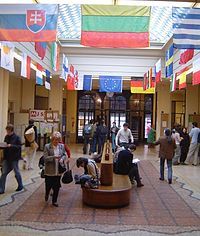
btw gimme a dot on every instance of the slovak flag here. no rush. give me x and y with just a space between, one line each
39 78
158 71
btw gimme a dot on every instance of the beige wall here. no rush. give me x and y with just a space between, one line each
56 95
71 97
163 105
4 86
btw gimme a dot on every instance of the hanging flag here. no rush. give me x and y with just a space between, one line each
26 66
28 22
169 61
71 78
196 72
186 56
7 56
186 25
158 71
181 76
149 80
65 68
173 83
87 82
40 48
39 78
137 87
55 52
47 81
145 82
115 26
110 84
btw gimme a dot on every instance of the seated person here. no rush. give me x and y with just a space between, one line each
123 165
91 170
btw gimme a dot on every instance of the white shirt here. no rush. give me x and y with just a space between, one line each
123 136
56 151
177 137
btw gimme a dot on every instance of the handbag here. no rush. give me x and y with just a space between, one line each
67 176
61 168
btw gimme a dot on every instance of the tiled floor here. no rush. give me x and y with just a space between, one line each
155 208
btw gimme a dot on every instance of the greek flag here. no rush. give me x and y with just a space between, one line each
186 28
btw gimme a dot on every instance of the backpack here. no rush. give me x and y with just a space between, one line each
198 138
87 129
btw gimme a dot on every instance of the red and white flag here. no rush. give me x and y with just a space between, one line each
26 66
186 56
196 72
158 71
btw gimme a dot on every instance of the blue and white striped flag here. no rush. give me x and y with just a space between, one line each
186 27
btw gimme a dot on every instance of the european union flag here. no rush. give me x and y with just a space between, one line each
169 61
110 84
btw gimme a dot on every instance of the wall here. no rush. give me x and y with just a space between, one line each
4 86
163 105
56 95
71 123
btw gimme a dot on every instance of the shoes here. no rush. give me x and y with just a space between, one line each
183 163
169 181
19 189
194 165
140 185
2 192
162 179
176 164
55 204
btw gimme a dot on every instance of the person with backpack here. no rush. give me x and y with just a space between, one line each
102 134
87 137
124 137
192 156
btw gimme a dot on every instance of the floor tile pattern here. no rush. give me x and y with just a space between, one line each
156 204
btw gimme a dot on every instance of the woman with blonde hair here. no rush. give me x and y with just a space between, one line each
54 157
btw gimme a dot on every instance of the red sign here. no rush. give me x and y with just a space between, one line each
37 115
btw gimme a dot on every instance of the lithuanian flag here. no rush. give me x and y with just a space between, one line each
115 26
137 87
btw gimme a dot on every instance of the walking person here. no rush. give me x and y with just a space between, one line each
12 155
30 147
94 136
167 146
151 137
102 134
177 154
185 143
124 136
192 156
113 131
54 156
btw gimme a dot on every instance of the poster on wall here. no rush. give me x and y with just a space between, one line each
37 115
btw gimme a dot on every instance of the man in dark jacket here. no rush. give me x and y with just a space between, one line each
124 165
30 151
12 154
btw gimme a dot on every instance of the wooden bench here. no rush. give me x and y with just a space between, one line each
114 190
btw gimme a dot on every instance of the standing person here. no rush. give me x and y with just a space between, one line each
12 155
151 137
185 143
124 165
102 134
167 146
124 136
54 155
87 136
113 131
94 136
194 146
30 147
177 154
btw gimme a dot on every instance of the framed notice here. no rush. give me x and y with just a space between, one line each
37 115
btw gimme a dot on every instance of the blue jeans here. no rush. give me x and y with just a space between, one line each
6 169
113 136
162 167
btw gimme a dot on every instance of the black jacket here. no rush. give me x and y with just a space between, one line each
27 143
123 162
12 153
